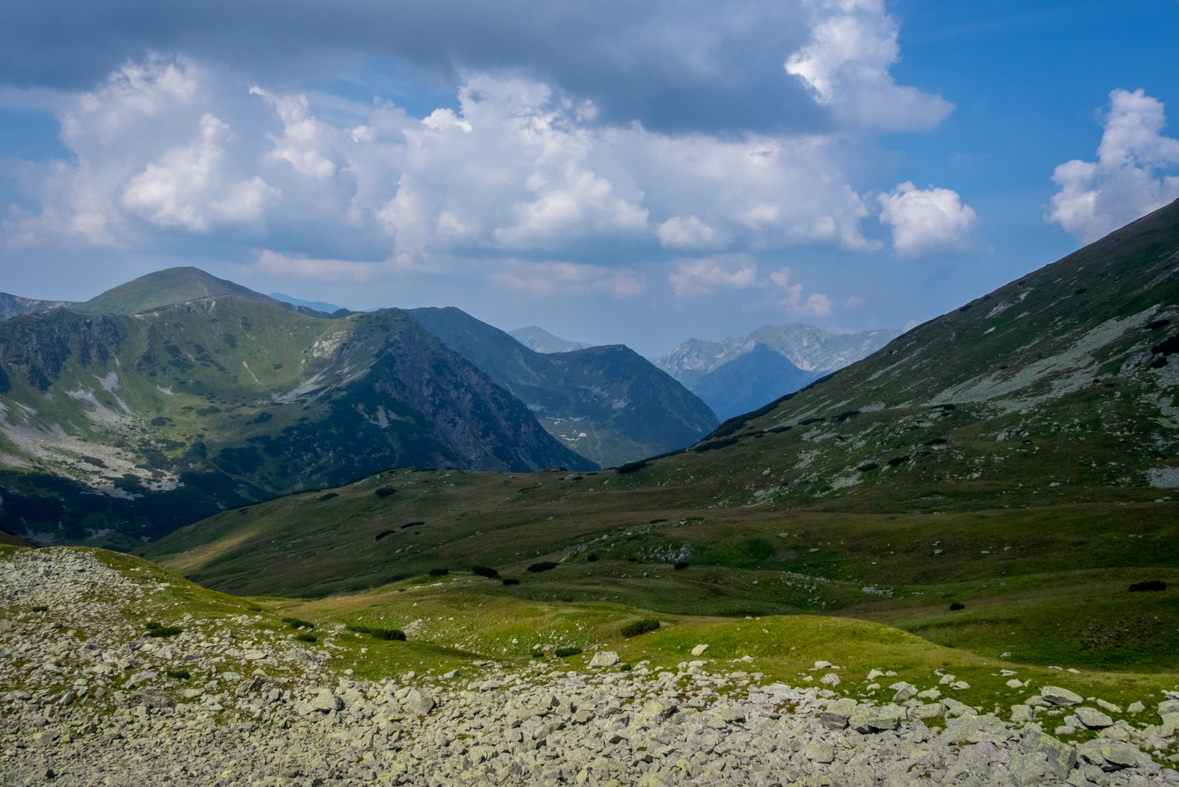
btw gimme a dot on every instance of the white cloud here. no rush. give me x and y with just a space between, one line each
1129 178
854 302
185 188
687 233
279 264
925 221
561 278
303 136
846 61
703 276
815 305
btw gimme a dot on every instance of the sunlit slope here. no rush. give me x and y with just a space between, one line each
121 427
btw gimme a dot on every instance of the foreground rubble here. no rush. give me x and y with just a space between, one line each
87 698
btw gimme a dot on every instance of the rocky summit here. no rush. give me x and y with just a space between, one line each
89 694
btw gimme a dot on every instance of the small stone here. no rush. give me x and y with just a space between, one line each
326 702
1093 719
904 691
1021 713
1055 695
959 685
419 702
1136 707
818 751
255 655
837 714
830 679
605 658
699 650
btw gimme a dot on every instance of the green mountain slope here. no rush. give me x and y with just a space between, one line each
608 404
177 285
116 427
1017 456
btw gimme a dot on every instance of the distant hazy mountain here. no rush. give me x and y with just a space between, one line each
116 427
321 306
177 285
542 341
607 403
807 347
14 305
749 381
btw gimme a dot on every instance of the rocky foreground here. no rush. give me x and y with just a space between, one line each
87 697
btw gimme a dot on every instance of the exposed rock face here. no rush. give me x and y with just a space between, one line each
86 699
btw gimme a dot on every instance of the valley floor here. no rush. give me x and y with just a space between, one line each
226 693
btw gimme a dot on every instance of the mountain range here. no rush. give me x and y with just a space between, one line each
607 403
542 341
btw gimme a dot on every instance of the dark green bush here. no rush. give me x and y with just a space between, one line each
681 565
328 496
484 571
40 608
591 558
391 634
639 627
295 623
538 654
179 674
846 415
546 565
625 668
631 467
898 460
564 653
305 636
162 631
384 533
511 581
439 572
411 524
1149 585
359 629
868 467
385 491
957 605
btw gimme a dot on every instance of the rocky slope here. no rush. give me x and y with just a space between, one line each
14 305
807 347
89 696
608 404
125 427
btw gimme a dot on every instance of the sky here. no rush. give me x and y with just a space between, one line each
634 173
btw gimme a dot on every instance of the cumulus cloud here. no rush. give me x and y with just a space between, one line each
563 278
814 305
680 232
846 60
280 264
703 276
926 221
1129 178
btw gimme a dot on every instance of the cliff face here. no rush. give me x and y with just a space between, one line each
117 427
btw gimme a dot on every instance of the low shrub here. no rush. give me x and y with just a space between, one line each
384 533
537 654
869 467
898 460
328 496
295 623
639 627
957 605
389 634
484 571
155 629
546 565
846 415
564 653
359 629
632 560
40 608
411 524
625 668
1149 585
681 565
439 572
631 467
511 581
385 491
179 674
305 636
591 558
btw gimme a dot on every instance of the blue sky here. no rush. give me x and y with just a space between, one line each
613 173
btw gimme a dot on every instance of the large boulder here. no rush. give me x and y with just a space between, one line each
604 658
1054 695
